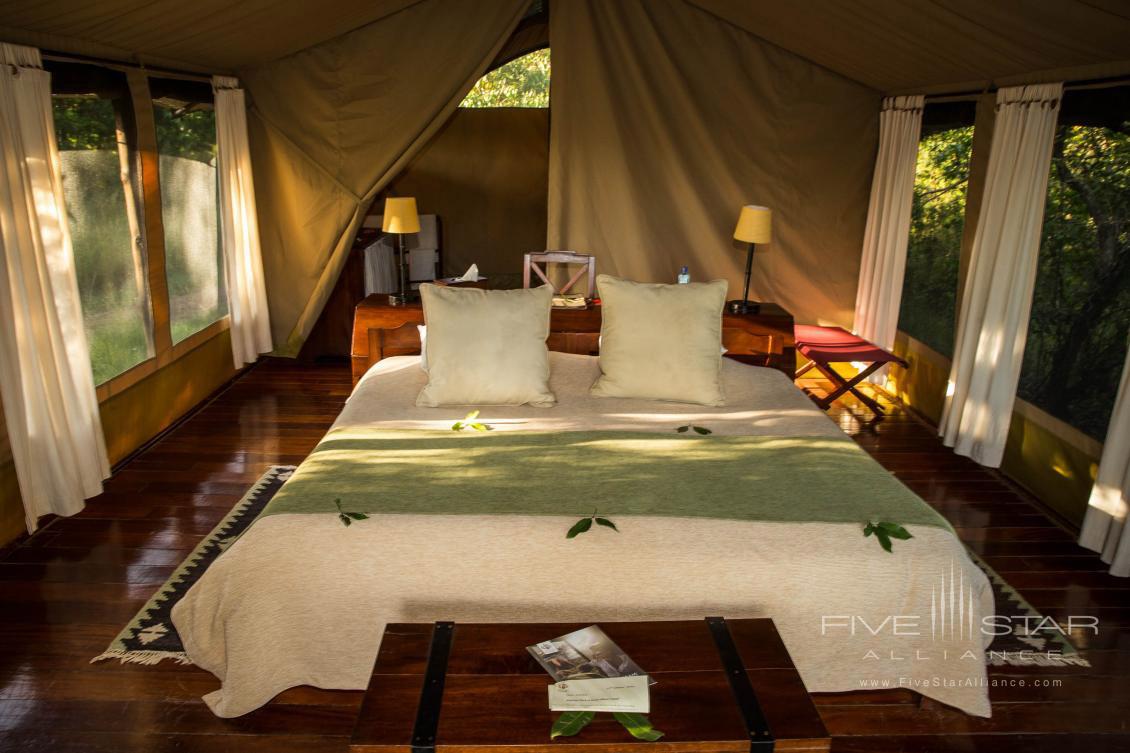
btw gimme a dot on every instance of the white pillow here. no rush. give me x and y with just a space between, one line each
423 330
661 342
486 347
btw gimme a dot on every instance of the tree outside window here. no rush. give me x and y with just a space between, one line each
111 272
929 291
523 82
194 270
1077 335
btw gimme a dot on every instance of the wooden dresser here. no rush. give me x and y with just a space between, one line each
764 338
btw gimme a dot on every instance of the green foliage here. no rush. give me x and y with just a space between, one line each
929 291
885 531
638 726
1081 309
84 123
581 526
469 422
346 517
189 322
117 341
188 133
193 259
570 723
114 305
585 524
1077 335
113 291
523 82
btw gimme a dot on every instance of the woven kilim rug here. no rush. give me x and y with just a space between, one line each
151 637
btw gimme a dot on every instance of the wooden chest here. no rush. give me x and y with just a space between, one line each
473 688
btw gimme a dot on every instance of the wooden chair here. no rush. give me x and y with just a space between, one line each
534 261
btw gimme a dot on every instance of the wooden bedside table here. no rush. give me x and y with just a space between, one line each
762 338
493 694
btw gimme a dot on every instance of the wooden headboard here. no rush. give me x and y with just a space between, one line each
764 338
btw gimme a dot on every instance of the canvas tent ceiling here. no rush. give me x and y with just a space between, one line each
898 46
887 45
216 36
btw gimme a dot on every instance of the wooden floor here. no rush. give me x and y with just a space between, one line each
66 592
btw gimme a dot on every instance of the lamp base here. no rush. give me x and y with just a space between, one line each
403 299
743 307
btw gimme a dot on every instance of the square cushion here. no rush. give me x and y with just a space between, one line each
661 342
486 347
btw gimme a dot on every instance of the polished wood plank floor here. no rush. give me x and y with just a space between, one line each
65 593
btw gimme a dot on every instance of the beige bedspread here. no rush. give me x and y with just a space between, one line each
301 599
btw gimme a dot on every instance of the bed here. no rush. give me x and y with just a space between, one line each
762 517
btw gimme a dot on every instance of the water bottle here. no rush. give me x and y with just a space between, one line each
684 276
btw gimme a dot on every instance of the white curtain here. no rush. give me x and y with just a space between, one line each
993 322
243 260
1104 529
888 223
45 378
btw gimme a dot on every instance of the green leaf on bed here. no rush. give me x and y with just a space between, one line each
895 531
585 524
347 517
638 726
702 430
579 527
607 524
469 422
884 531
570 723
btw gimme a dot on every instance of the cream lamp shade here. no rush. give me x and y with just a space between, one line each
400 215
754 224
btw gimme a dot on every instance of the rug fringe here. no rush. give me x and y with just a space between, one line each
142 657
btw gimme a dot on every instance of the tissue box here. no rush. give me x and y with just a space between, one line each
455 282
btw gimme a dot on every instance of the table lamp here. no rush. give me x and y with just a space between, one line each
400 218
754 224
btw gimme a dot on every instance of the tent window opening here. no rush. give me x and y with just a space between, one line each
186 144
523 82
93 127
1077 334
929 291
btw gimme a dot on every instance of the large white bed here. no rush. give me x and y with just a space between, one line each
301 599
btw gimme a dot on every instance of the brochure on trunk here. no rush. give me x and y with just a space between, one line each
584 655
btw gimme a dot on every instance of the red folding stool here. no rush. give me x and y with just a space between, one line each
823 346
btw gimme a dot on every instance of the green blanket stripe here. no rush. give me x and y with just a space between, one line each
798 479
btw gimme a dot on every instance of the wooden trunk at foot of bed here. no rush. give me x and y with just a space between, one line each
474 688
762 338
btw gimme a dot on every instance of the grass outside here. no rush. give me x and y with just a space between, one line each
118 342
188 324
